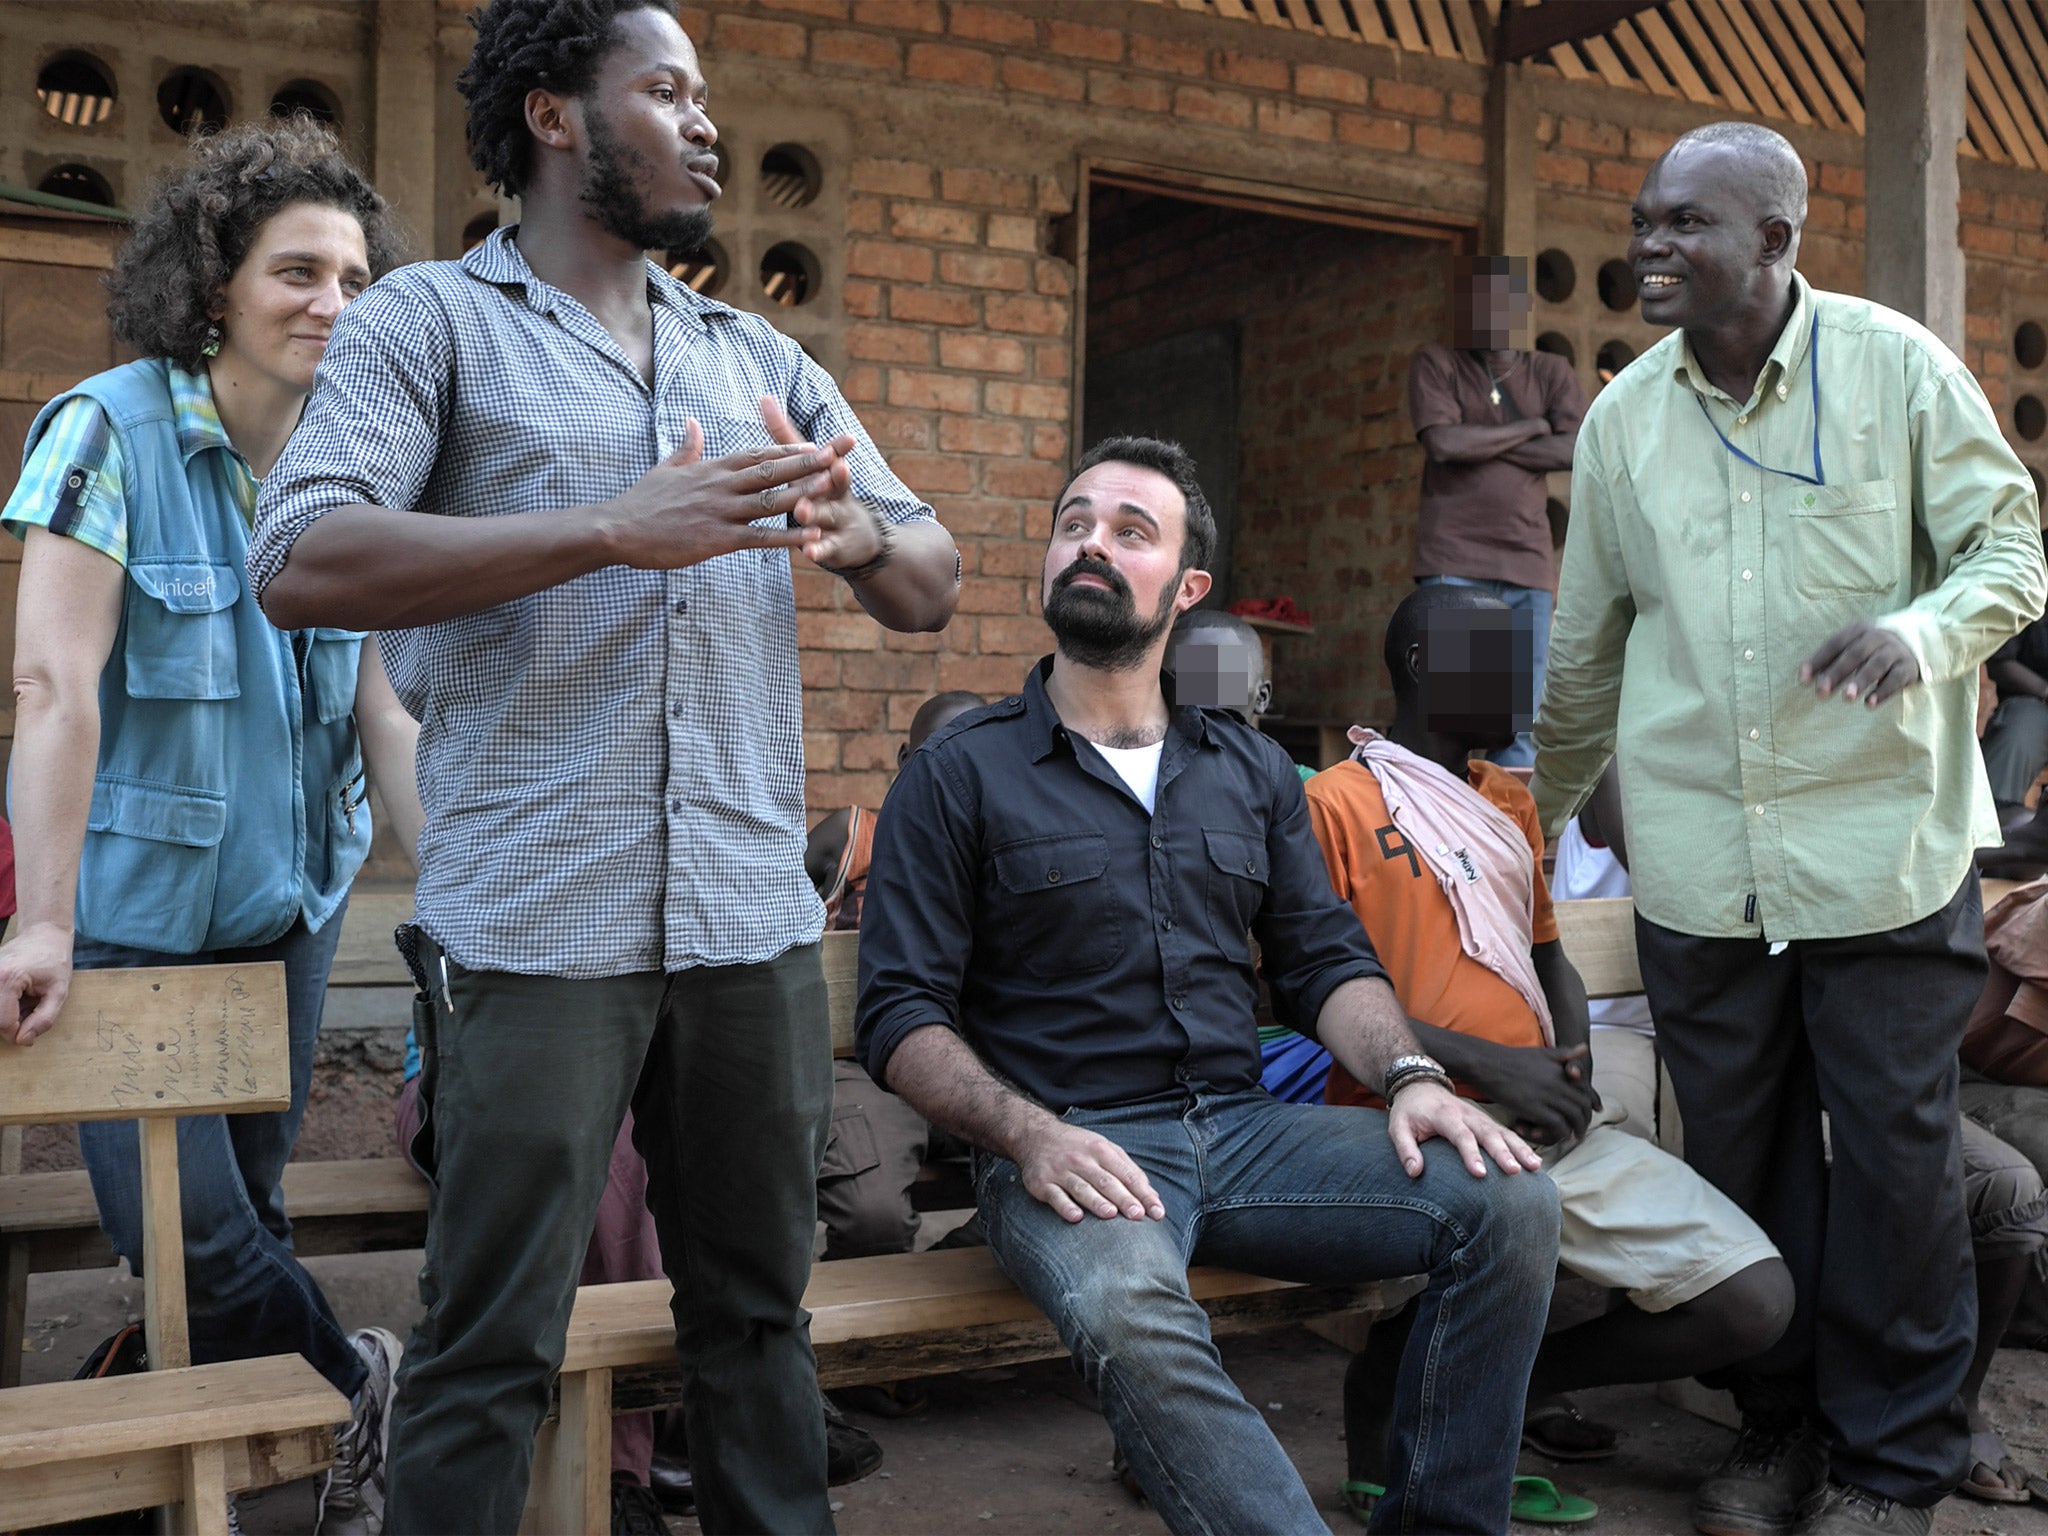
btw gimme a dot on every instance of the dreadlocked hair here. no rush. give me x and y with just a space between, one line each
202 219
523 46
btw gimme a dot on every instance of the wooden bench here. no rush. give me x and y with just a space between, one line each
152 1045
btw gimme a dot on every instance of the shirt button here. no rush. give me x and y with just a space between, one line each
1745 497
1180 1000
1251 866
1752 733
682 605
676 805
1745 575
1742 421
1749 655
1781 391
1759 810
1166 924
1052 877
675 711
1158 842
75 481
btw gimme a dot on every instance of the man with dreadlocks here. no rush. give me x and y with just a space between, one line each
569 486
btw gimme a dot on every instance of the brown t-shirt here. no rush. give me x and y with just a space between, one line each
1487 520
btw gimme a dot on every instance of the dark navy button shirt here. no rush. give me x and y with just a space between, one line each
1089 952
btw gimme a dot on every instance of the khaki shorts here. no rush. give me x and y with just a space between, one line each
1637 1219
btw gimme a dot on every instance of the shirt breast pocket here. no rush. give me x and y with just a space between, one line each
1057 910
1847 539
1238 876
181 630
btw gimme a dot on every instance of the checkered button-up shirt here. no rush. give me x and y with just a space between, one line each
612 768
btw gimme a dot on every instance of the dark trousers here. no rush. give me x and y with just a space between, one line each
524 1081
1866 1028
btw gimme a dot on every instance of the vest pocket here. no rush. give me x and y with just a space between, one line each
181 630
151 859
332 659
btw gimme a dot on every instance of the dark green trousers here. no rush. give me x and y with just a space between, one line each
524 1083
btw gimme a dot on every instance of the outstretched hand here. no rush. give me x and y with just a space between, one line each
1865 661
1425 1109
836 531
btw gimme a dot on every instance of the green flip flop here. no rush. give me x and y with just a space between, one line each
1537 1501
1360 1498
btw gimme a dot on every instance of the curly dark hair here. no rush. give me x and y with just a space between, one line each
203 217
527 45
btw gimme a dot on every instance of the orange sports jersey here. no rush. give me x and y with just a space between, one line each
1409 918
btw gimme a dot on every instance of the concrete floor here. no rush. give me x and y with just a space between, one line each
1025 1450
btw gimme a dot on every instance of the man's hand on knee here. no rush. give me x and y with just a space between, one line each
1425 1110
1079 1174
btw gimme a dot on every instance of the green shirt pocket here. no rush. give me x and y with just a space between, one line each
1847 538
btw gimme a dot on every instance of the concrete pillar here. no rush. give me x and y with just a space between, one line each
1914 84
1510 164
403 134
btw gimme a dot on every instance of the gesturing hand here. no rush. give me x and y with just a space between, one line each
1425 1110
35 968
837 531
1866 661
688 509
1079 1173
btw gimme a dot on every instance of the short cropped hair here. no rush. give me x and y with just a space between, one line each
202 219
1198 543
1780 175
523 46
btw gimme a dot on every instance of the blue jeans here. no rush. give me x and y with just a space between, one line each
1300 1192
245 1293
1537 602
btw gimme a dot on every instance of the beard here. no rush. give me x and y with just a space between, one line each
1099 629
612 191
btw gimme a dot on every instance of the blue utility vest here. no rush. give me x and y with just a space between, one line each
228 798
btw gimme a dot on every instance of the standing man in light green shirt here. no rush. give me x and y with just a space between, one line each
1795 533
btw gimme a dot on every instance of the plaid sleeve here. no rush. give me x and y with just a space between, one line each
372 429
71 483
819 411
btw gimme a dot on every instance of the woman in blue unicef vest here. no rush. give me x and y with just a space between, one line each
187 782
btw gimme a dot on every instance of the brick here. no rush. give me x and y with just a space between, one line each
1139 93
1049 443
884 672
850 706
900 15
1013 557
1043 79
1012 232
1842 180
932 391
1252 69
1054 195
947 65
1000 189
1563 170
972 434
928 307
899 429
1226 109
837 631
985 354
871 750
864 215
862 385
811 588
977 269
1449 144
830 10
1406 97
1592 138
1023 478
1384 133
897 178
2011 208
930 221
696 24
1288 121
1170 57
1648 144
1053 361
1029 316
1618 176
1054 278
888 344
1019 637
934 473
830 791
1987 239
742 34
1045 401
1327 84
2030 247
991 24
821 748
857 50
1105 45
1972 204
1467 108
861 300
1982 327
819 669
879 258
993 677
1826 212
991 594
919 642
978 519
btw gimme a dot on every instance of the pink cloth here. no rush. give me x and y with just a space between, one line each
1481 859
622 1247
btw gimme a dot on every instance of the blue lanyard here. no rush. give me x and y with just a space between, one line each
1813 367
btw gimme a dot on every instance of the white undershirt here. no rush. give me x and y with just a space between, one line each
1137 767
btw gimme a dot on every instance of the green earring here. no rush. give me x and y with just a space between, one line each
212 347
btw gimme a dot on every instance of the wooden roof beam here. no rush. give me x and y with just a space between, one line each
1526 31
